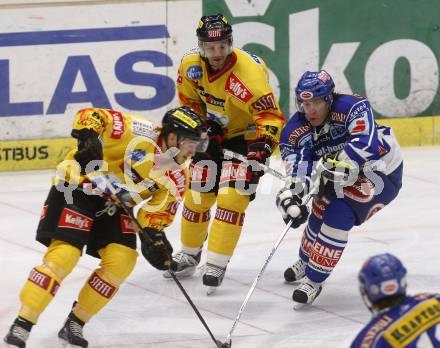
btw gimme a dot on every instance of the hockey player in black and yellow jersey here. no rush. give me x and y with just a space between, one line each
230 88
143 162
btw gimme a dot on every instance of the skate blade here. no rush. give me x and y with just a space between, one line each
210 290
187 272
64 344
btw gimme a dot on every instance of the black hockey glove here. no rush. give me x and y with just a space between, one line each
89 149
259 150
216 137
289 203
338 167
156 248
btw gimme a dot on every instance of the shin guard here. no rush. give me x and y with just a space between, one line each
117 262
44 280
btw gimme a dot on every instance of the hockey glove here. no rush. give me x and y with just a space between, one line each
338 167
289 203
89 149
259 150
216 137
156 248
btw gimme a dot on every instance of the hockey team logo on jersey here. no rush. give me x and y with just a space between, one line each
194 72
305 95
127 225
118 126
74 220
236 88
266 102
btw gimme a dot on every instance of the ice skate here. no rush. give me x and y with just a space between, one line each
71 334
18 333
184 265
213 277
306 293
295 272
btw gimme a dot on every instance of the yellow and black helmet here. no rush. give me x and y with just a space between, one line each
184 122
214 28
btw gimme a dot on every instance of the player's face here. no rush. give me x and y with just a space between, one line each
217 53
188 148
316 111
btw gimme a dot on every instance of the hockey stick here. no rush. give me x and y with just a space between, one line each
228 341
139 227
233 155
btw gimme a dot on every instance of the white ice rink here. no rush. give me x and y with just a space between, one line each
149 311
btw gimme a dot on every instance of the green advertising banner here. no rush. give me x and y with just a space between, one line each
387 50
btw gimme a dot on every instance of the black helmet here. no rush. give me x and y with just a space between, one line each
214 28
184 122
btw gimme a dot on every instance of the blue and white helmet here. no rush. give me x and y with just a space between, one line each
314 85
381 276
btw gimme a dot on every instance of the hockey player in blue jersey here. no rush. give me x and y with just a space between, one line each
361 170
399 320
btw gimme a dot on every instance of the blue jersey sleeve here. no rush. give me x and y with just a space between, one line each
363 142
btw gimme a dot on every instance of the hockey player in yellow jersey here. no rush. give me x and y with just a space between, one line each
230 88
141 161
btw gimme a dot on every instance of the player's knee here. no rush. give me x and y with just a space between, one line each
61 258
199 201
232 199
117 262
339 215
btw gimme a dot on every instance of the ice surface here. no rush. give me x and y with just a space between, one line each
149 311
